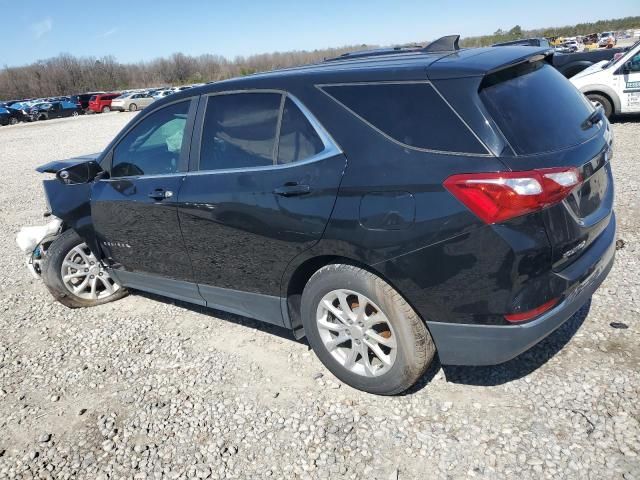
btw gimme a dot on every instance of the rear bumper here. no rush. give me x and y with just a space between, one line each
472 344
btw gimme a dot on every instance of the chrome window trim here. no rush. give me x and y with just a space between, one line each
321 86
331 148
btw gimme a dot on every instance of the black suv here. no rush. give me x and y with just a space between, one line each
388 205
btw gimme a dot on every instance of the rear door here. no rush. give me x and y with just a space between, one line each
134 211
263 186
544 119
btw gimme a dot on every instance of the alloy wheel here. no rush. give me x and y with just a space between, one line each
85 277
356 332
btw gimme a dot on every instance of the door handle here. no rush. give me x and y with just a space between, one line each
160 194
292 190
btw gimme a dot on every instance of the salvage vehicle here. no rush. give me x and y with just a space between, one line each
11 116
613 85
131 102
387 205
45 111
101 103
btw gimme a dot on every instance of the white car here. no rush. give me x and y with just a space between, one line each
131 101
604 39
162 94
615 84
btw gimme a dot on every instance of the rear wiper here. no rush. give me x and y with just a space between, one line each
596 117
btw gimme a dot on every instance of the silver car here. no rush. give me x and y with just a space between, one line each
131 102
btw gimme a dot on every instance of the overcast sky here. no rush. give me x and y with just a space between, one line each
144 29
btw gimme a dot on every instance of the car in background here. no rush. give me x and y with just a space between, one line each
606 38
527 42
162 94
101 103
16 115
46 111
5 116
131 102
82 99
613 85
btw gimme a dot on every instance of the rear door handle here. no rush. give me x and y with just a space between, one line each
160 194
292 190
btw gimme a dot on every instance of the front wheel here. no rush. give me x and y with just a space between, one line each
75 277
363 331
133 107
75 114
13 121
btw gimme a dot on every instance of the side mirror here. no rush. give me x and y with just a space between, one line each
81 173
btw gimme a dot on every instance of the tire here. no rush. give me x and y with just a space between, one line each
599 99
75 114
402 327
106 109
68 244
133 107
13 121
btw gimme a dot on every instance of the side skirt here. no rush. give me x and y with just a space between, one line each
265 308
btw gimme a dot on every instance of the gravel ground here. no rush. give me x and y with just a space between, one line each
150 388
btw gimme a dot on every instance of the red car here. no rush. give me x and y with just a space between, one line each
102 102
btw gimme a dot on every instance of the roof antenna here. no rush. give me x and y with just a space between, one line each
447 43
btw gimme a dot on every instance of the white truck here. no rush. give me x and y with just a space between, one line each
615 84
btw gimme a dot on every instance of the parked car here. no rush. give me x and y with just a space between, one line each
569 62
613 85
11 116
607 38
131 102
162 94
473 217
46 111
82 99
528 42
101 103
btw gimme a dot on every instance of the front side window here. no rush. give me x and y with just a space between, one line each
154 145
240 130
413 114
635 63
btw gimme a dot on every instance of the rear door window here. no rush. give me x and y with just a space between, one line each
413 114
298 139
240 130
537 109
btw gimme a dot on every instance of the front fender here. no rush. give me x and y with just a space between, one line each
72 205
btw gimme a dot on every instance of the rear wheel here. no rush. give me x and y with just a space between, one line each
363 331
133 107
74 276
106 109
599 100
75 114
13 121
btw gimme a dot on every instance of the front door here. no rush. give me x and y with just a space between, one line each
627 84
134 211
264 189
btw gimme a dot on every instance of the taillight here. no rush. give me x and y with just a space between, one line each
496 197
528 315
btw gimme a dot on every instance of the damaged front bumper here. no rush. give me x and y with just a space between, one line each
34 242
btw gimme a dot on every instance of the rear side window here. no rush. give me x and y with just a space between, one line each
240 130
298 139
413 114
537 109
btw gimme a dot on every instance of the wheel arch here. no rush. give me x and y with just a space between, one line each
300 275
605 91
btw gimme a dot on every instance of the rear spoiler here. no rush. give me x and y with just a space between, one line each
479 62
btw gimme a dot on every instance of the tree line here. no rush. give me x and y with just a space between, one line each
67 74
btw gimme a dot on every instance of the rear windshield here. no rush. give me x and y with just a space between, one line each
537 109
